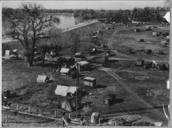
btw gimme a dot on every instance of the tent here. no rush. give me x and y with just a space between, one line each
64 90
66 106
167 17
64 71
168 84
7 52
42 78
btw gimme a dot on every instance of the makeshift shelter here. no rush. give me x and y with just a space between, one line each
79 55
7 52
154 34
64 90
139 62
64 71
148 28
164 43
137 30
89 81
42 78
140 40
82 65
168 84
167 17
95 117
66 106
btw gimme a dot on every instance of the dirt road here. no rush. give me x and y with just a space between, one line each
143 103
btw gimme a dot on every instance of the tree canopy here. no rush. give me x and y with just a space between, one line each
28 26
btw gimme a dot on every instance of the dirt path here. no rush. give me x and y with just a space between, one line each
154 112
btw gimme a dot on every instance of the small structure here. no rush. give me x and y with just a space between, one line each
48 57
140 40
154 34
79 55
148 28
139 62
64 71
65 90
137 30
148 51
168 84
42 79
158 124
107 101
89 81
167 17
7 52
7 55
95 118
167 38
66 106
164 43
82 65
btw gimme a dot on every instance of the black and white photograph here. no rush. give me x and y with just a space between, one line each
85 63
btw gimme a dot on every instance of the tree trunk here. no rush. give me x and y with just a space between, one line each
32 57
28 60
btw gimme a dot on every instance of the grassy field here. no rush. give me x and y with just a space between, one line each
129 84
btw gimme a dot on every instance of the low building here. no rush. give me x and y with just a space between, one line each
89 81
65 90
64 71
42 79
82 65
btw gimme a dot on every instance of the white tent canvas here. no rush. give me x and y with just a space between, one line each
64 90
64 70
7 52
168 84
167 17
82 63
42 78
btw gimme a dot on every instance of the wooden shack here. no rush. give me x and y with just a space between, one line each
82 65
89 81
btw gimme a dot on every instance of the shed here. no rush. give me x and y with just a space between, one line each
154 34
83 65
64 71
139 62
148 28
89 81
167 17
7 52
164 43
168 84
95 117
64 90
79 55
140 40
42 79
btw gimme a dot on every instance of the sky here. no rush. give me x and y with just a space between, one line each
128 4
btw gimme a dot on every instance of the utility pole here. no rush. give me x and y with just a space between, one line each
77 85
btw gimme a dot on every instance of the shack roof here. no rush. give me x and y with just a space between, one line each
42 78
167 17
64 90
90 78
64 70
82 63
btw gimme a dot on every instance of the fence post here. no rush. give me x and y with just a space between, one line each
17 107
29 109
55 113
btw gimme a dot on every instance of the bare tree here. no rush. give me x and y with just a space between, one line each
30 24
